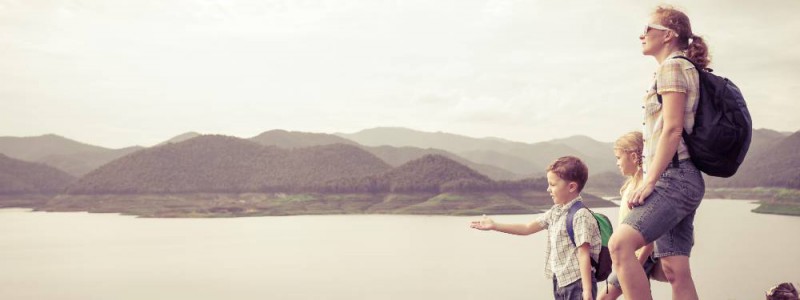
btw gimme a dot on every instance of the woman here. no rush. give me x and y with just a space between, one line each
664 204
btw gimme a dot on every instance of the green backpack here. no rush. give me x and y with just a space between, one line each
602 267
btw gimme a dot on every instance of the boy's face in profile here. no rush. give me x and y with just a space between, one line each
560 190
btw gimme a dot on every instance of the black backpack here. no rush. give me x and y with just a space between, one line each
722 126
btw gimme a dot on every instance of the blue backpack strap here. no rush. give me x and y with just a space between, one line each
570 216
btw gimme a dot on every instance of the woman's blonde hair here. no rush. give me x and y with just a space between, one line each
631 142
695 46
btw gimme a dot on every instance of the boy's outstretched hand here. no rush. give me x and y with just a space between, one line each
484 224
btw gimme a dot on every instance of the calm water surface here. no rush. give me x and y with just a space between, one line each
738 255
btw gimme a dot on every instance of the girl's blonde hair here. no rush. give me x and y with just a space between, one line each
631 142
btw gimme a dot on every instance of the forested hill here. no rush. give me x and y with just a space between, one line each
21 177
215 163
429 173
222 164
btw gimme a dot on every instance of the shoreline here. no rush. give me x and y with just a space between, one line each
201 205
775 201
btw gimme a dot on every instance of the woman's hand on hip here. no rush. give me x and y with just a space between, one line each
640 195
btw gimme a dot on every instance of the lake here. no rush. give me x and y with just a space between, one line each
737 255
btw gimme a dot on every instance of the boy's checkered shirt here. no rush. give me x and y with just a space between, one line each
561 256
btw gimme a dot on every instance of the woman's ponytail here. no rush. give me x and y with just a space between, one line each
698 52
695 46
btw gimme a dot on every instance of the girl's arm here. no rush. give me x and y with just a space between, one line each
518 229
644 253
585 263
672 112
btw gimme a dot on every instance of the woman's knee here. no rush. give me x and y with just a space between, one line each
624 241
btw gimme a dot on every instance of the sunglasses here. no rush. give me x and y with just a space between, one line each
657 27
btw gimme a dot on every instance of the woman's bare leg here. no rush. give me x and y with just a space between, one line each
679 275
623 245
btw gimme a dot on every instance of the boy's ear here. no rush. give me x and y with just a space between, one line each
573 186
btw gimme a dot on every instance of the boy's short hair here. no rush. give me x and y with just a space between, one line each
570 168
783 291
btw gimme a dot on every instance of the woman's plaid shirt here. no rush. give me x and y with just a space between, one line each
561 256
673 75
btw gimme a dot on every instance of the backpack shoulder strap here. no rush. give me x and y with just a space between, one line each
655 85
687 59
570 216
706 69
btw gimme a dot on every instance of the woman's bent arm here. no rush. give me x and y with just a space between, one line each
667 146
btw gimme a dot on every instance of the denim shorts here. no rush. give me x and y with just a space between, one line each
666 218
572 291
649 265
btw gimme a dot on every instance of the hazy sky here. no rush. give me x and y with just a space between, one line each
119 73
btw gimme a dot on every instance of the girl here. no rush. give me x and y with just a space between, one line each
663 206
628 151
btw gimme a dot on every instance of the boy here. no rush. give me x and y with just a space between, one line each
569 266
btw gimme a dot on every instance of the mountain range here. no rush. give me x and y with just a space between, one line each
70 156
521 158
369 159
223 164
